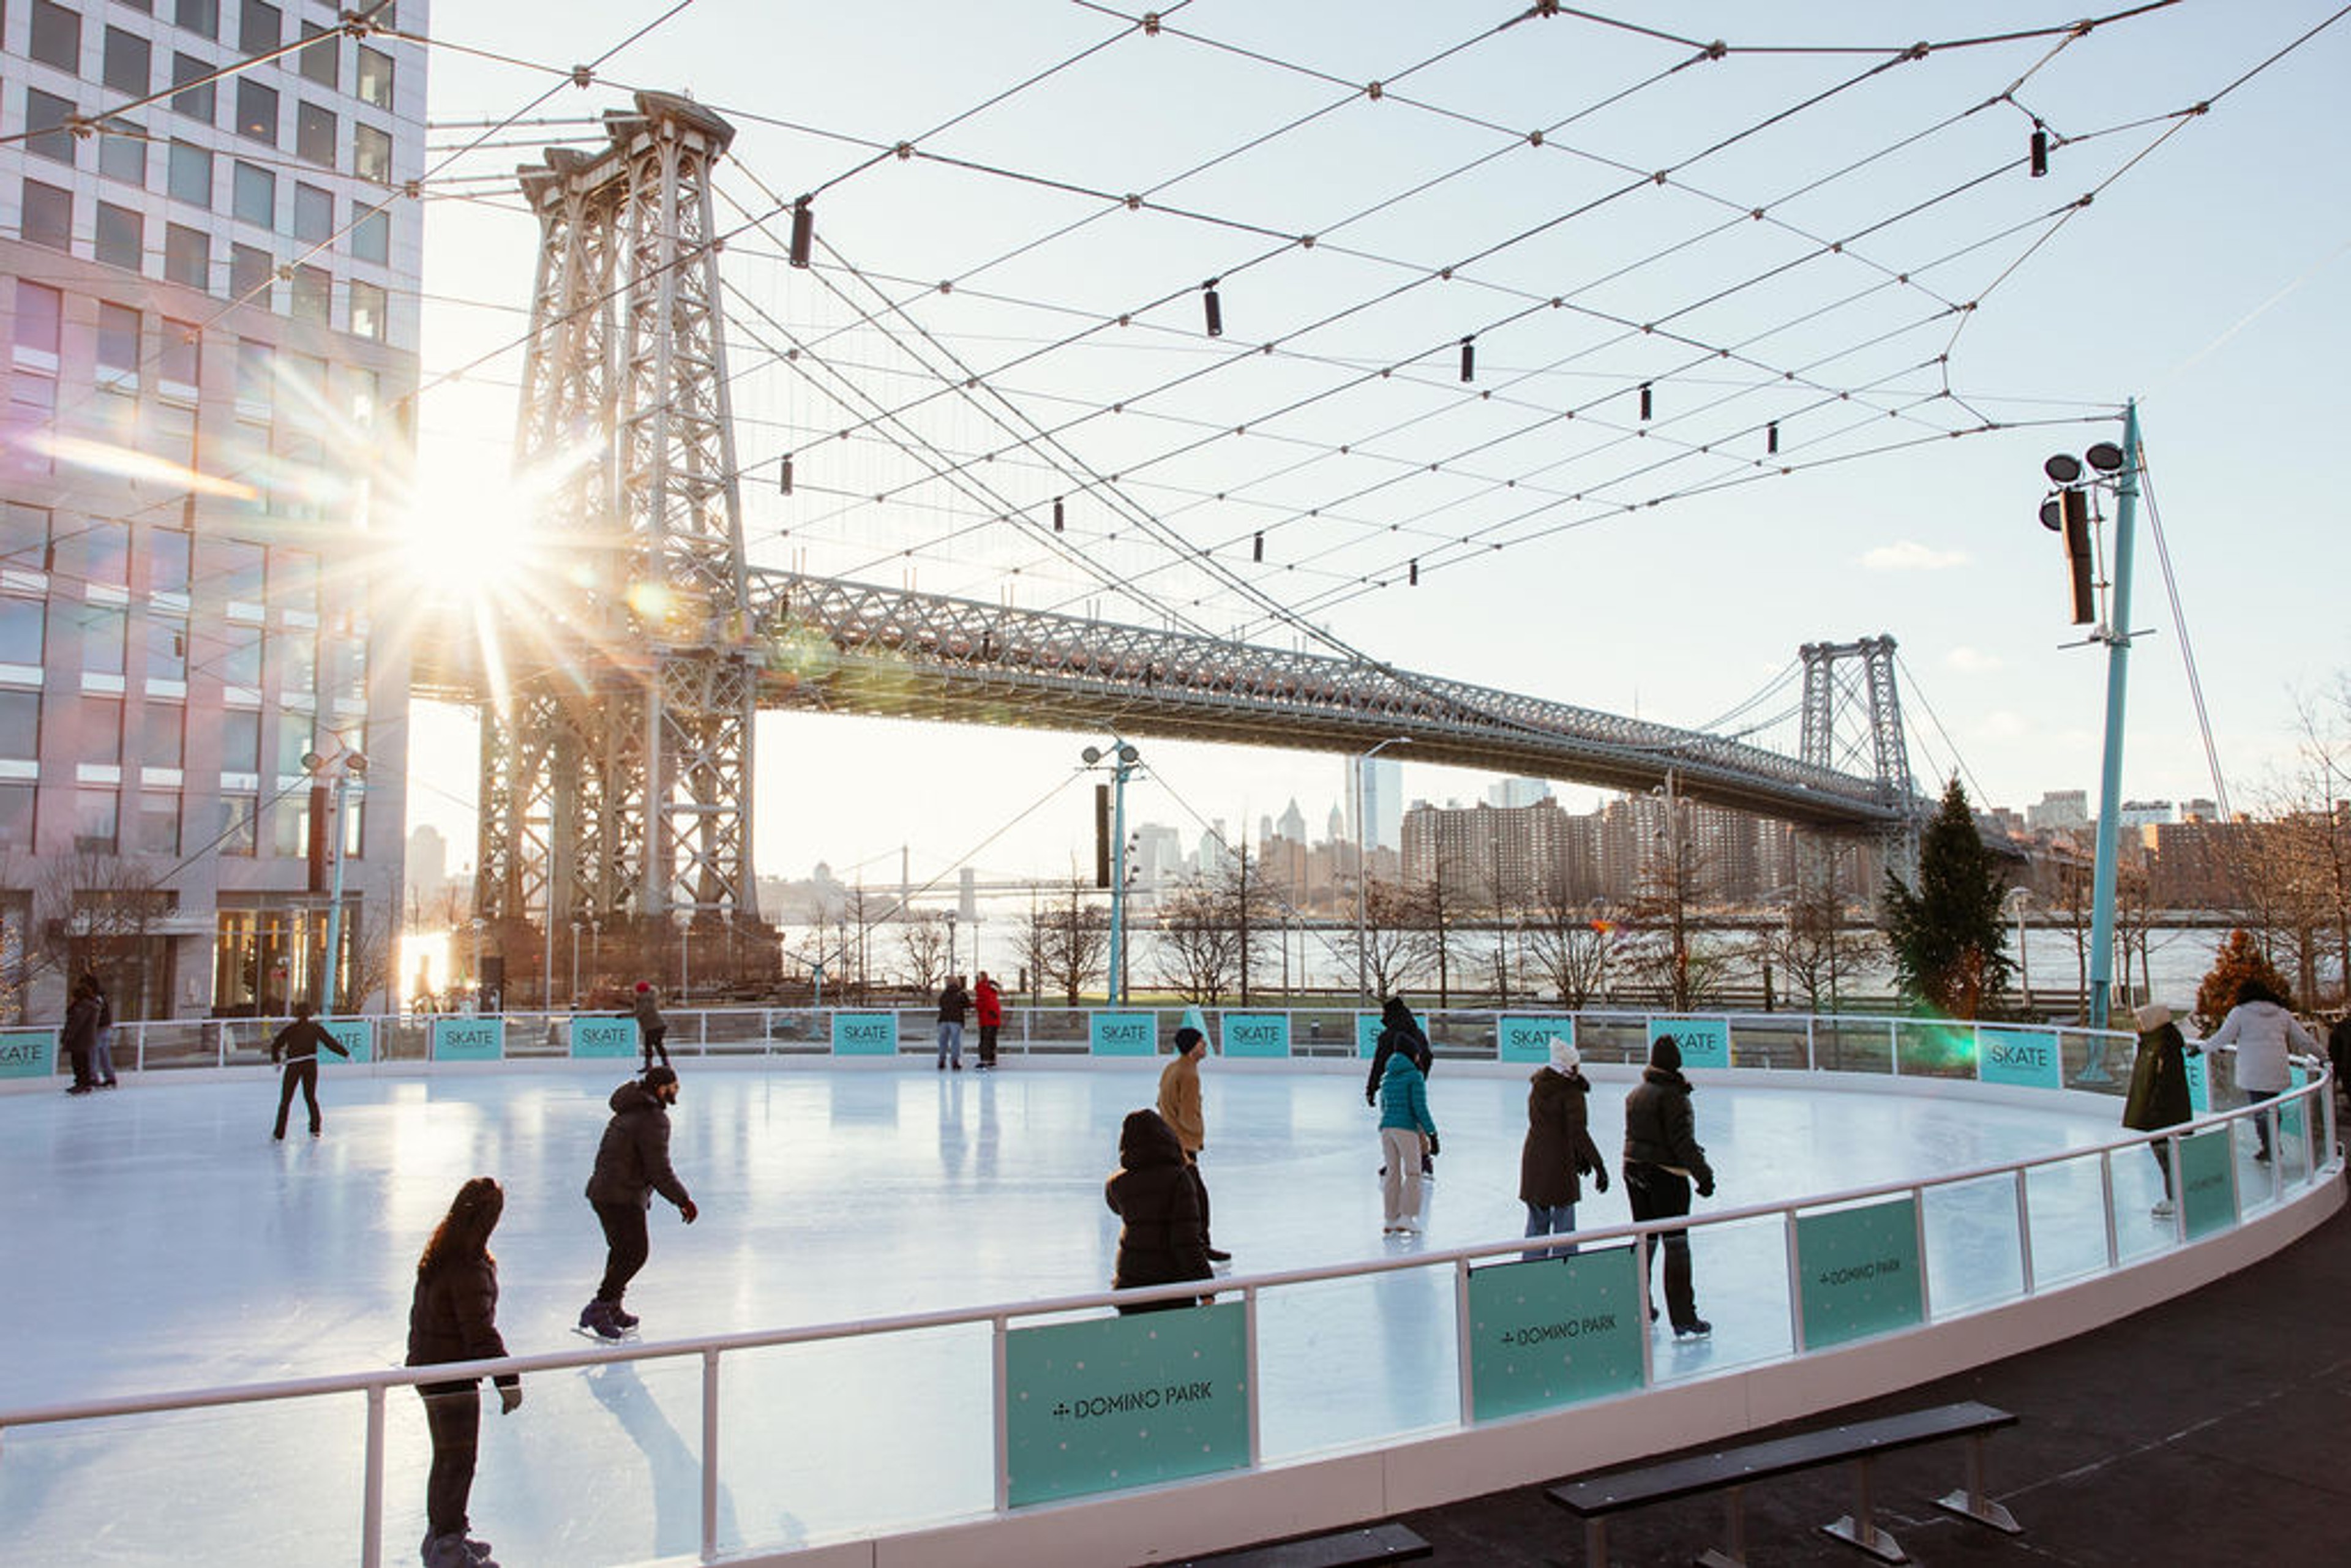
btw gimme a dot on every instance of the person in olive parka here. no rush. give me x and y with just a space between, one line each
1162 1240
453 1316
631 1165
1662 1158
1559 1147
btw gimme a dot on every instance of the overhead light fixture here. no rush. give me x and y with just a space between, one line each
2106 457
2064 468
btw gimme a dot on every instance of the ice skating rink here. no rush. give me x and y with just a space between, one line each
156 1238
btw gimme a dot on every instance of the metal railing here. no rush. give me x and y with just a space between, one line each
2314 1140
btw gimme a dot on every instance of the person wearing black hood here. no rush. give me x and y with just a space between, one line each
1162 1239
1399 1031
631 1165
1662 1158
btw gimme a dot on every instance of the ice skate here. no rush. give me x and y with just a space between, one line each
453 1551
601 1321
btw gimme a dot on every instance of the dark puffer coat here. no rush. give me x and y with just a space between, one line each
1162 1239
633 1162
1660 1128
453 1316
1559 1146
2159 1086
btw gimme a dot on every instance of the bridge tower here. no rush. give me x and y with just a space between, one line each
616 738
1844 679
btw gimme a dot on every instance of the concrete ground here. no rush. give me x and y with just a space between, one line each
2212 1430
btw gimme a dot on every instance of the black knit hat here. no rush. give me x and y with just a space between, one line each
1666 1053
657 1076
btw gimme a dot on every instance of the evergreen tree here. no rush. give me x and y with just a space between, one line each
2239 961
1949 951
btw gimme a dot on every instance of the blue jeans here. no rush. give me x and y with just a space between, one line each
1550 1221
950 1042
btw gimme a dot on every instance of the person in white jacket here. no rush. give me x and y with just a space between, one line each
2262 1030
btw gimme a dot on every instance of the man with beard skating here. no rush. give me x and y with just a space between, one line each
631 1165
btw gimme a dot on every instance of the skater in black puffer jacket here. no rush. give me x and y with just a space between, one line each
631 1165
453 1316
1662 1158
1162 1239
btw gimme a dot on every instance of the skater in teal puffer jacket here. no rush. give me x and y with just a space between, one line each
1406 1133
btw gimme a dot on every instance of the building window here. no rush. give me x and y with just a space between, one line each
177 362
129 65
102 732
240 663
56 37
16 817
22 626
24 546
367 311
253 195
374 85
236 567
199 16
94 822
256 111
298 677
162 735
249 273
322 61
371 238
40 319
169 552
237 835
371 154
122 153
117 344
291 821
191 175
120 237
240 733
293 743
195 102
260 27
314 134
294 582
187 256
256 379
20 727
314 215
314 290
102 632
171 432
159 822
167 654
49 216
31 419
44 133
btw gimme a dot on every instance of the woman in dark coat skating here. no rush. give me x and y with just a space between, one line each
453 1316
1162 1240
2159 1088
1559 1148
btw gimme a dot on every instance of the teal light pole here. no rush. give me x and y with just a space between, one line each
2110 779
1123 760
354 765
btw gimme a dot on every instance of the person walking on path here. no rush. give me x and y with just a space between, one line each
953 1001
651 1031
2262 1030
1662 1158
1559 1148
987 1007
101 1055
298 1045
78 1035
453 1316
631 1165
1179 1106
1406 1133
2159 1088
1163 1237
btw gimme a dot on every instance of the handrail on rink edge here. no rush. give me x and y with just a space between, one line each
2323 1165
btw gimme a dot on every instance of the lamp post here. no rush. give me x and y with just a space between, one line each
1677 890
479 925
353 766
1123 760
1364 873
2067 512
575 964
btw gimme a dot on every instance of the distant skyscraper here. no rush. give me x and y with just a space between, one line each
1517 791
1335 829
1292 825
1379 786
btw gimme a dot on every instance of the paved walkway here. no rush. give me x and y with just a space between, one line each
2214 1428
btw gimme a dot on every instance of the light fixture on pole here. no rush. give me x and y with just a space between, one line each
2117 467
1364 871
1124 761
349 765
479 925
575 964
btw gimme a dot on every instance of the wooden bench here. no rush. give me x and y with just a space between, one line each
1389 1543
1596 1498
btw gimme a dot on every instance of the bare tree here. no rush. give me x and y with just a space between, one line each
1200 950
1069 940
1437 912
100 913
1815 946
924 937
1570 942
1248 906
1385 944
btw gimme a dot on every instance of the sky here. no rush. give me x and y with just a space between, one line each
1569 550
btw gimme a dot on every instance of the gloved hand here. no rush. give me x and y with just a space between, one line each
1599 1179
1433 1147
1372 1097
1706 1187
688 1212
509 1398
